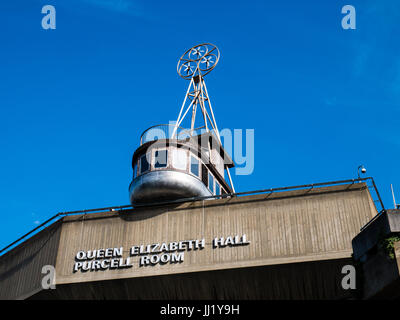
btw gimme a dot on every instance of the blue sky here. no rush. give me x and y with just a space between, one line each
74 101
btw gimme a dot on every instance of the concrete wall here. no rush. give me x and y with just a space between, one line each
379 271
300 228
295 226
21 268
308 280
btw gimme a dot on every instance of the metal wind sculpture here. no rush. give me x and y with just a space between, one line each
194 64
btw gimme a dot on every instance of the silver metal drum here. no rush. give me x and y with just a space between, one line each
160 185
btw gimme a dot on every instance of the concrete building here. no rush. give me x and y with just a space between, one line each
277 244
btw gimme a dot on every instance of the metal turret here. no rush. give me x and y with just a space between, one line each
173 162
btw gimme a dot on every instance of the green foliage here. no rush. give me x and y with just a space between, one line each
388 245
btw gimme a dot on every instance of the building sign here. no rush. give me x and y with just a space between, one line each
151 254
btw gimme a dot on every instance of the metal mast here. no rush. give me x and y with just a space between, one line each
194 64
394 199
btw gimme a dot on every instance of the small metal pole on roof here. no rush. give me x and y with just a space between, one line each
396 206
194 65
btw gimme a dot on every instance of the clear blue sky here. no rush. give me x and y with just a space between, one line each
74 101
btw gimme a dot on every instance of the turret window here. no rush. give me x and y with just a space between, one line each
204 174
144 164
211 182
179 159
135 170
217 188
194 166
160 158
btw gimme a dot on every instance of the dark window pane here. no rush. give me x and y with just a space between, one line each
135 170
204 174
161 159
144 164
194 166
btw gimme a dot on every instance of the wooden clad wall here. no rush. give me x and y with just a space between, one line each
20 268
286 227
